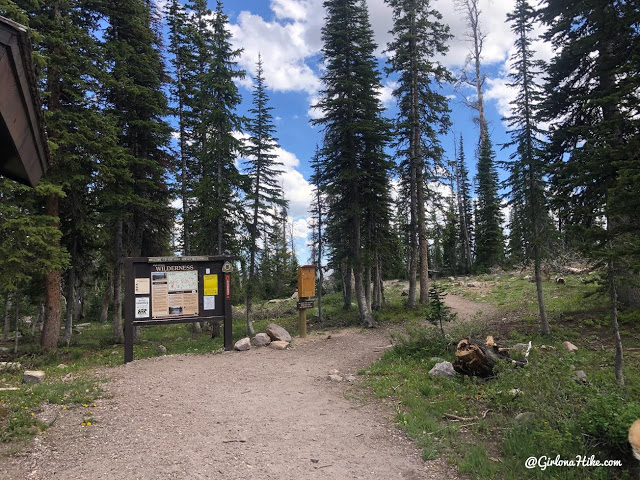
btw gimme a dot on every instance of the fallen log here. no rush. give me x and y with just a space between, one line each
478 359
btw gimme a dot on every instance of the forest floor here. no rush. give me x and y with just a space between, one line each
263 413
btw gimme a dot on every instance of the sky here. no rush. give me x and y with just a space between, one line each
287 34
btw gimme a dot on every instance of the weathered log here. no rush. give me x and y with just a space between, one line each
477 359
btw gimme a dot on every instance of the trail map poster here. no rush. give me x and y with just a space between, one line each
174 291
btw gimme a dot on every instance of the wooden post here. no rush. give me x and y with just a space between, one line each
302 319
228 319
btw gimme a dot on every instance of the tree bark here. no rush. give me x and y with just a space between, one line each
346 286
613 313
117 280
7 317
422 242
51 324
71 301
106 301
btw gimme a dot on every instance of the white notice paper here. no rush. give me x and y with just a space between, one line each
142 307
209 302
142 286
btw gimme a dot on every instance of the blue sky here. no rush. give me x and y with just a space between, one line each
286 33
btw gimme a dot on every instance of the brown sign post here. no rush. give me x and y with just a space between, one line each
167 290
306 291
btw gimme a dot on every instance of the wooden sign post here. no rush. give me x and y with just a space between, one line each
306 291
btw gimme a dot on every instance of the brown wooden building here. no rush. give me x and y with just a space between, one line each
24 153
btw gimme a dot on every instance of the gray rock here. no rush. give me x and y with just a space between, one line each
4 349
261 340
472 284
570 346
351 378
243 344
62 366
405 293
334 378
452 279
334 372
161 350
33 376
10 366
442 369
279 344
67 378
276 332
525 417
581 376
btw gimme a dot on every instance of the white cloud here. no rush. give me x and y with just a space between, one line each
285 43
499 90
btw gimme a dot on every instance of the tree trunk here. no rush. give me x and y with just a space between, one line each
106 301
117 281
80 297
71 301
424 247
613 312
51 324
367 284
17 332
7 317
356 253
346 286
413 240
377 284
38 322
544 322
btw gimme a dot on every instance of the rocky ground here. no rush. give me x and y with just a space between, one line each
262 413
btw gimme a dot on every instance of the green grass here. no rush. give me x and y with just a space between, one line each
569 417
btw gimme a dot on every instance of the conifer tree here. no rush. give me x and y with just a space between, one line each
217 213
264 197
526 169
142 218
419 36
464 208
489 239
178 47
354 134
591 98
318 209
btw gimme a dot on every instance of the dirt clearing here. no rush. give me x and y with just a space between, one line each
257 414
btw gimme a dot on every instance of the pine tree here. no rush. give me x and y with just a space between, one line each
465 214
591 97
354 136
217 213
423 115
526 169
178 47
264 196
142 218
318 209
488 235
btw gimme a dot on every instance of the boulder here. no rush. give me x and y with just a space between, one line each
334 378
62 366
161 350
279 344
351 378
33 376
442 369
243 344
261 340
277 333
570 347
472 285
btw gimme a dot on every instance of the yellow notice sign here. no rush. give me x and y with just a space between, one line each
211 284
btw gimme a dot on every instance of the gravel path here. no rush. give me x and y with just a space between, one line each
258 414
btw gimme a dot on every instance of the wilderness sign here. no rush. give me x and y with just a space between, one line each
166 290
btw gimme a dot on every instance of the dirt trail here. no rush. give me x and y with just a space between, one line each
257 414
